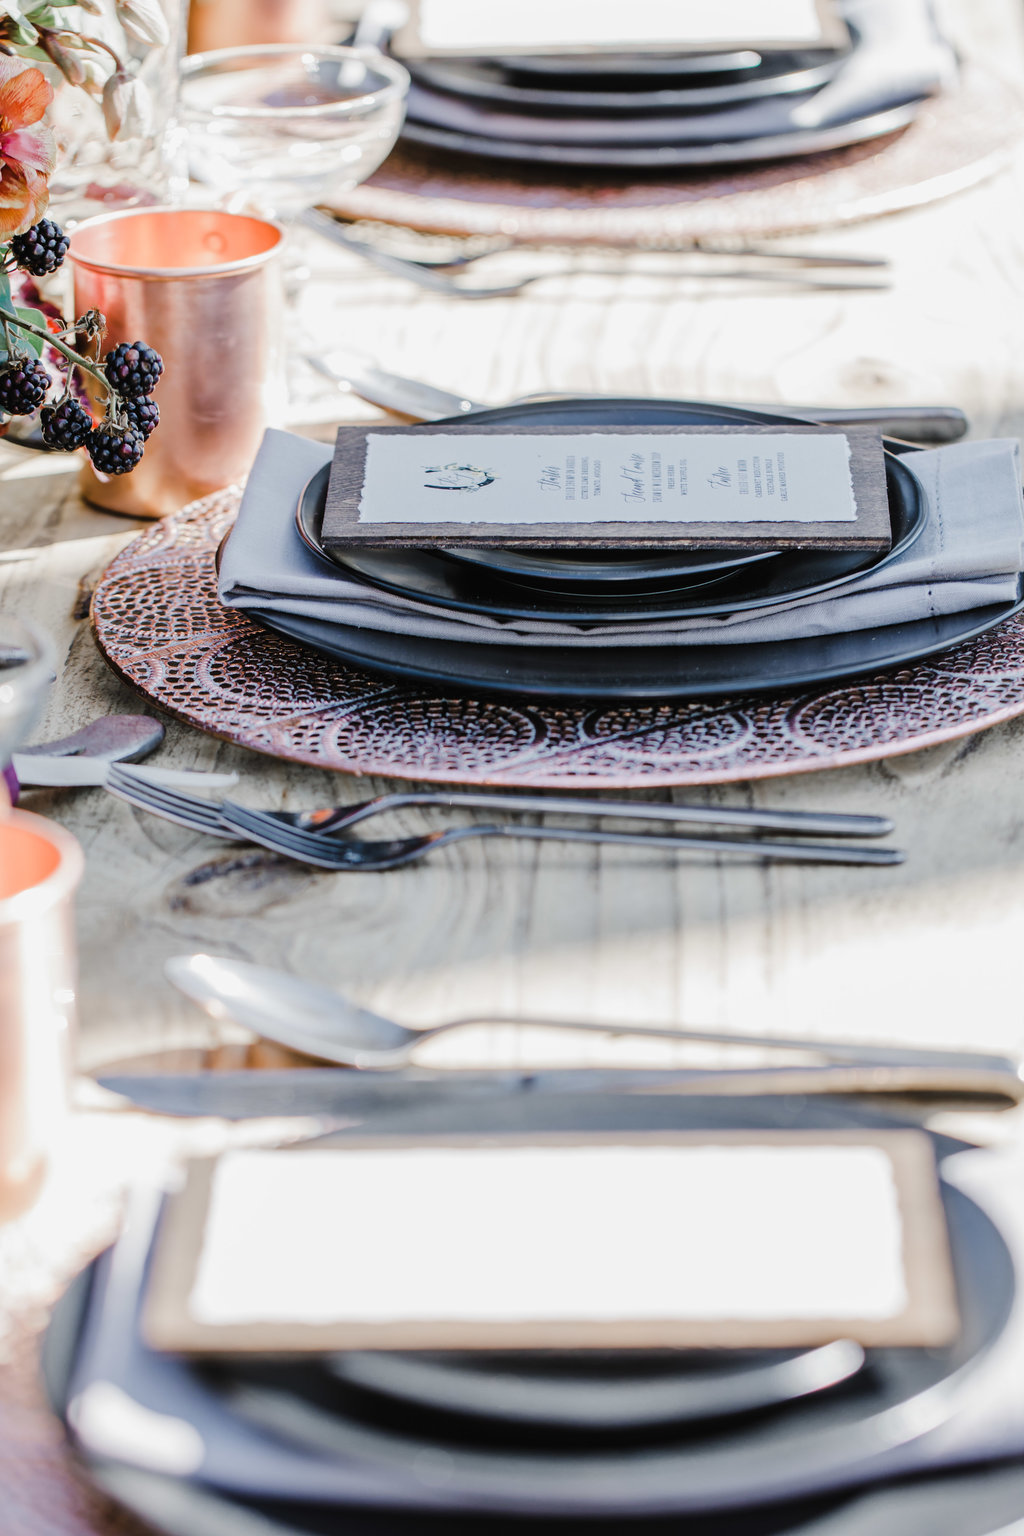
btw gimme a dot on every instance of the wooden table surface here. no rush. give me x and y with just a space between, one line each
926 952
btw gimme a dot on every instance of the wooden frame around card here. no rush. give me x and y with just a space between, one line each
930 1319
834 35
871 531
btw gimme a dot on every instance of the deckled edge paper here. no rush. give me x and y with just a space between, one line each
578 28
221 1280
503 499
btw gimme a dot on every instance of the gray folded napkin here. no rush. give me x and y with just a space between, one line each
968 555
899 57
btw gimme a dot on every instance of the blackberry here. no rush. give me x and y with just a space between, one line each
143 415
40 249
23 386
65 425
133 369
115 450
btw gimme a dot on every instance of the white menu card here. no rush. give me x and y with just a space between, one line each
602 1242
724 487
538 26
640 477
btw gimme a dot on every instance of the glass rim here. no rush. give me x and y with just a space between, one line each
56 886
133 269
396 88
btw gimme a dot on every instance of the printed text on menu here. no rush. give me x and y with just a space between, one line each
601 477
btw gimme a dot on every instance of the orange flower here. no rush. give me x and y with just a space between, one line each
28 152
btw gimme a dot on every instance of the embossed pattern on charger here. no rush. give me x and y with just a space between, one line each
159 623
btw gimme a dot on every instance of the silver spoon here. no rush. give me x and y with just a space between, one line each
320 1022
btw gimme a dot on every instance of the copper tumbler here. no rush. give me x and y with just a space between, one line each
40 866
237 23
205 288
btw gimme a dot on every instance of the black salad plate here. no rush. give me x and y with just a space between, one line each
290 1440
661 157
596 573
593 1394
598 570
611 94
431 578
667 66
464 575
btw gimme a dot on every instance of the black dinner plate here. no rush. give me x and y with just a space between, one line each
602 573
430 577
985 1503
637 672
662 157
612 94
287 1434
634 672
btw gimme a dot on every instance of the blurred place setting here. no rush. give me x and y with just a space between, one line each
511 682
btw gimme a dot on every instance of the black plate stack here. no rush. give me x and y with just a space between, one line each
664 111
723 1443
634 588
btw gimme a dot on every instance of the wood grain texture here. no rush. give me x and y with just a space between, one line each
927 952
869 952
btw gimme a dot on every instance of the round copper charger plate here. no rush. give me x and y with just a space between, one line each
161 627
958 140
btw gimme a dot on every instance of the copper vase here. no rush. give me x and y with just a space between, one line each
205 289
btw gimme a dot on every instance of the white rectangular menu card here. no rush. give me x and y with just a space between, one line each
634 1241
758 486
639 477
539 26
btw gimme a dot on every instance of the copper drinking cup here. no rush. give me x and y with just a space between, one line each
237 23
205 288
40 867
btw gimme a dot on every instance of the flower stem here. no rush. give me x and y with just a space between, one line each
7 319
46 33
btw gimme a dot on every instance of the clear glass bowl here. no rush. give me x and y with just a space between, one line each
284 125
